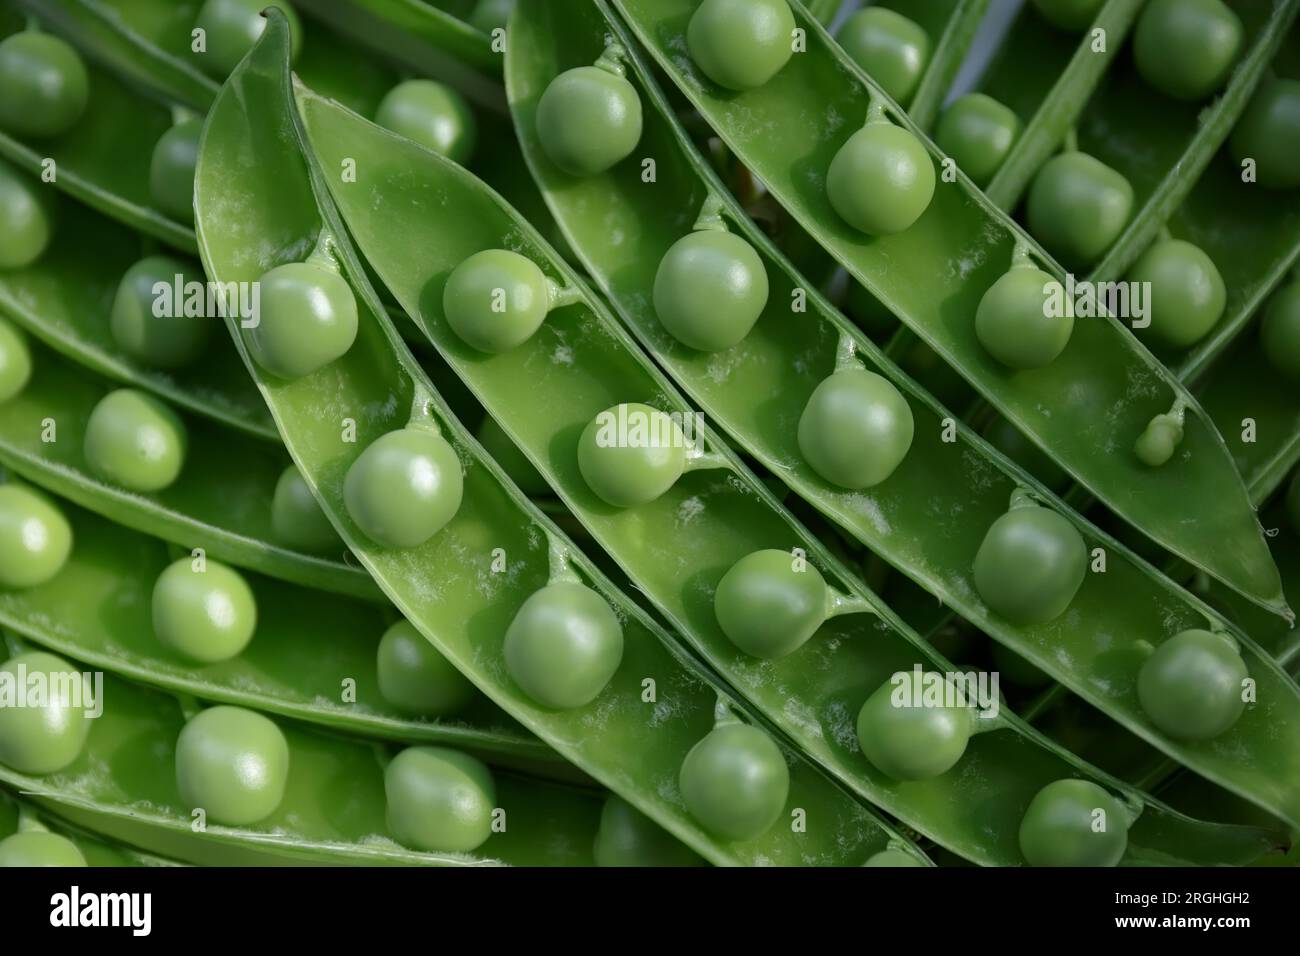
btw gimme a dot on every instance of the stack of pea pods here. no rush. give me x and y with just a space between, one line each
649 432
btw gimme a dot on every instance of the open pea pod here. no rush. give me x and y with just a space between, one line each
221 500
757 391
1087 408
281 671
122 784
463 587
47 840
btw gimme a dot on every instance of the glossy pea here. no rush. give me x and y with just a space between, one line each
856 429
627 837
1077 207
44 86
710 289
168 341
404 487
631 454
1187 292
1073 823
231 27
769 603
1191 686
45 734
978 133
15 361
1070 15
439 800
39 848
489 15
589 120
1268 133
433 115
881 180
1023 320
905 736
416 679
496 300
1279 333
134 440
735 782
205 616
1186 48
564 645
297 519
741 44
502 449
1030 565
26 222
232 763
308 318
892 858
171 170
35 538
1159 440
891 49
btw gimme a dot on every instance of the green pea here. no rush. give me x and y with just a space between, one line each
881 180
1016 324
908 738
1186 48
15 361
134 440
433 115
892 858
492 15
978 133
1159 440
741 44
1072 15
171 170
231 27
439 800
513 461
403 488
1030 565
589 120
48 732
206 616
1279 333
891 49
869 314
308 318
416 679
1077 207
1187 293
769 603
856 429
1073 823
1011 441
232 763
26 222
1190 686
496 300
1269 133
43 85
39 848
564 645
710 289
631 454
168 341
35 538
735 782
297 519
627 837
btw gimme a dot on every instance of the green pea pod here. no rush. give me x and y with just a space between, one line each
933 275
221 500
49 845
122 786
658 704
282 670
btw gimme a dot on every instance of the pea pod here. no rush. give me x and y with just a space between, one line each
46 841
957 248
636 733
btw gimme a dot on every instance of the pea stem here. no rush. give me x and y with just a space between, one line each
1022 256
875 110
383 756
837 604
29 822
1163 234
557 555
723 715
846 354
181 114
704 461
611 60
710 216
559 296
1070 141
189 706
422 410
1022 497
322 254
32 25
